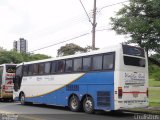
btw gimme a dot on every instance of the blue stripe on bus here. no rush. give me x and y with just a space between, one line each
90 84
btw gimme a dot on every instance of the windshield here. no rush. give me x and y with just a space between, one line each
133 56
131 50
10 68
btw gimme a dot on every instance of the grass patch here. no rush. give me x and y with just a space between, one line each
154 83
154 96
154 75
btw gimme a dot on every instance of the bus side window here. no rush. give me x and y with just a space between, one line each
108 61
69 66
53 66
30 69
77 64
97 62
35 69
86 63
61 65
41 68
47 68
1 73
25 70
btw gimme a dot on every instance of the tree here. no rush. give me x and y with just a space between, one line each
141 21
70 49
15 57
10 57
38 57
156 57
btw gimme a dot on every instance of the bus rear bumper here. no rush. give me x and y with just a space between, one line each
122 105
7 95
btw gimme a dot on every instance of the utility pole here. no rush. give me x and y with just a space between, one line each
94 24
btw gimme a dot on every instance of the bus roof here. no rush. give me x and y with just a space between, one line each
8 64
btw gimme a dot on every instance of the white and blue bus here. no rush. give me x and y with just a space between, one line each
114 78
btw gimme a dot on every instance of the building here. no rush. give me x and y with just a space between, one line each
21 45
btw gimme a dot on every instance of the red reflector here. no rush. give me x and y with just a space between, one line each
120 92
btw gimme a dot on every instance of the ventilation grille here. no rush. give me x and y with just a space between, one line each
103 98
72 87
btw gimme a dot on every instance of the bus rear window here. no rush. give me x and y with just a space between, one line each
134 61
10 69
131 50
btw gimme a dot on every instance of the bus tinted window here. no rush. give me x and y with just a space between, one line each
97 62
35 69
77 64
25 70
19 71
53 67
134 61
131 50
1 73
86 63
60 67
69 66
41 68
47 68
10 69
30 69
108 61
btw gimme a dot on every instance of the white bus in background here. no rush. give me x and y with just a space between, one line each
7 73
114 78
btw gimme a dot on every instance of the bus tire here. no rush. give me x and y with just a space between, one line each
22 98
88 105
74 103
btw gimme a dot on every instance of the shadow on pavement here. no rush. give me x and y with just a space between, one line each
99 113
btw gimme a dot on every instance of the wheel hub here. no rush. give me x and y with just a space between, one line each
88 105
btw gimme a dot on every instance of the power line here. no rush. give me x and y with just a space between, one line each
60 42
67 40
84 33
103 29
113 5
85 12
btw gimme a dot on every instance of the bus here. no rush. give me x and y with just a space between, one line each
7 72
114 78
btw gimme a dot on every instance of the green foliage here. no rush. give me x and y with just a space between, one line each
15 57
38 57
154 96
154 75
70 49
141 20
156 57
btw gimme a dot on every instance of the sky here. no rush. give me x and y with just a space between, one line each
47 22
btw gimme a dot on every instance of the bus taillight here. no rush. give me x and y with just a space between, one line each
147 92
120 92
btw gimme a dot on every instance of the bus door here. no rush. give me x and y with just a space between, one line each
9 75
18 78
1 78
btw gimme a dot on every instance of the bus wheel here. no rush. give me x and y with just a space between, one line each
22 98
88 105
74 104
